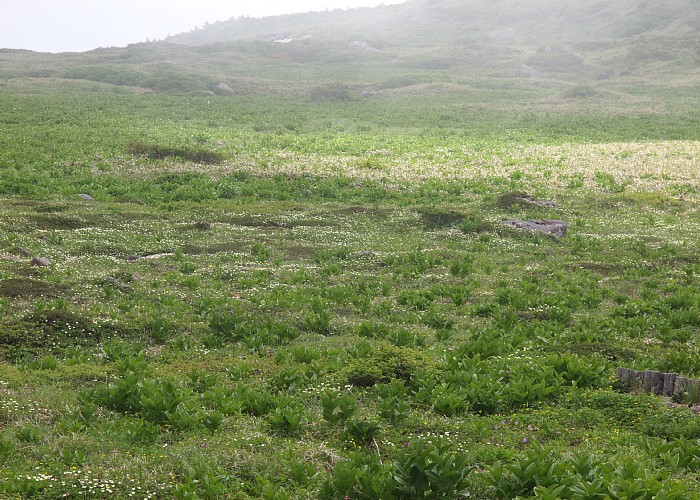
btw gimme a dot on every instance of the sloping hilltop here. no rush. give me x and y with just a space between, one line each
324 283
345 53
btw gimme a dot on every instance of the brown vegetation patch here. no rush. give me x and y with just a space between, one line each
50 208
58 222
600 268
160 152
435 218
300 252
20 287
360 210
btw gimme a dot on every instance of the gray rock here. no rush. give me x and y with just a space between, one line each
557 228
41 262
223 89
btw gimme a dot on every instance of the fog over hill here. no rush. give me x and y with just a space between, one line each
420 42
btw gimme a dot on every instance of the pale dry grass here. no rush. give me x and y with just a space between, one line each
636 166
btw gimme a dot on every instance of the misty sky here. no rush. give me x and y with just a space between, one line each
79 25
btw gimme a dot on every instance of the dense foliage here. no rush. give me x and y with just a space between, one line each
313 295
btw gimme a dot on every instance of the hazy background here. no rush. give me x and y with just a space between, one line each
80 25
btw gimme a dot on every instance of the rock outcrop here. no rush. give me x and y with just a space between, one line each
557 228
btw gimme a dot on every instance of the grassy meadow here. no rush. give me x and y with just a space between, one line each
315 297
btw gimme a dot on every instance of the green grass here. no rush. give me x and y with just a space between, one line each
312 298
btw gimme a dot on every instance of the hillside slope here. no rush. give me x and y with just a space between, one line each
456 44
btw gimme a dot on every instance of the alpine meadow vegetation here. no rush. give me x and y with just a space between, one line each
313 294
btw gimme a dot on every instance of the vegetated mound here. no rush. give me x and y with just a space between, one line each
414 19
439 40
48 330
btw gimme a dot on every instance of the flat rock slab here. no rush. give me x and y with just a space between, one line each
41 262
556 227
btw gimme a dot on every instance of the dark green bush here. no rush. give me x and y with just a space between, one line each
384 363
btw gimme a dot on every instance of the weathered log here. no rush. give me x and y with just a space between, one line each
669 383
625 374
659 383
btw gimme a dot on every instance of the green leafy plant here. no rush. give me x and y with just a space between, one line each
431 470
288 416
337 407
362 432
29 434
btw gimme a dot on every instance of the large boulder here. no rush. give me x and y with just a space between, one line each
223 89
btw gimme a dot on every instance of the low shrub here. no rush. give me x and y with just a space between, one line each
384 363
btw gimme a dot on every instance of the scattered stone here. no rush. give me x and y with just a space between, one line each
41 262
557 228
86 197
223 89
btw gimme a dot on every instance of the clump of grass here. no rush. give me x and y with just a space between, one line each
161 152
